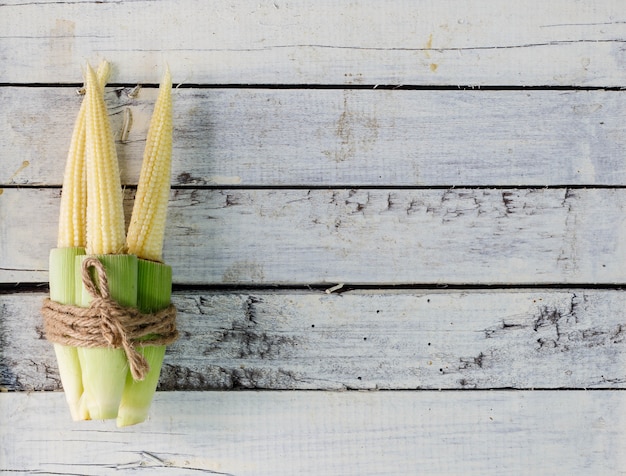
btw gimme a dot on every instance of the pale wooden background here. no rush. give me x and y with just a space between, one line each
457 166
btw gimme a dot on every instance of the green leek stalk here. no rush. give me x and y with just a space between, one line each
104 369
62 290
154 291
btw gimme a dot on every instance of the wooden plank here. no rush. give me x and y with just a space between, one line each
370 236
314 433
334 138
363 340
325 42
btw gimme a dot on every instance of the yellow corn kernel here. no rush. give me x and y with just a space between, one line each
147 223
105 212
72 218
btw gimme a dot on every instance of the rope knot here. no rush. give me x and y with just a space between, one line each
105 323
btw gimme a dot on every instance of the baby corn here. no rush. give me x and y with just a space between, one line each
147 223
70 244
104 369
145 239
97 381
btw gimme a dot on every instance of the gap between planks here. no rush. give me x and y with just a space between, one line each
347 87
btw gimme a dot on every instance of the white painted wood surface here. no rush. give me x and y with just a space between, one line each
365 340
314 433
359 236
308 137
288 174
324 42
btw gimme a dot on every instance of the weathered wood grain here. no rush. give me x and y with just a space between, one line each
283 182
362 340
433 42
325 433
367 236
332 137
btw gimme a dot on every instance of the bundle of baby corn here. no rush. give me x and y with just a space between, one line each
109 313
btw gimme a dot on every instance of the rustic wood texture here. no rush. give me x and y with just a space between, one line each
325 42
305 137
572 339
313 433
454 176
359 236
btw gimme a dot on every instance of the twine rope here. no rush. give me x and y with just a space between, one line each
105 323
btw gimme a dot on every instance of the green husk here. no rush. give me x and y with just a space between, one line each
104 369
154 291
63 290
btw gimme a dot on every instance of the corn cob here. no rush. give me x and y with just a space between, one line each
147 223
105 212
71 243
145 239
72 217
104 369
